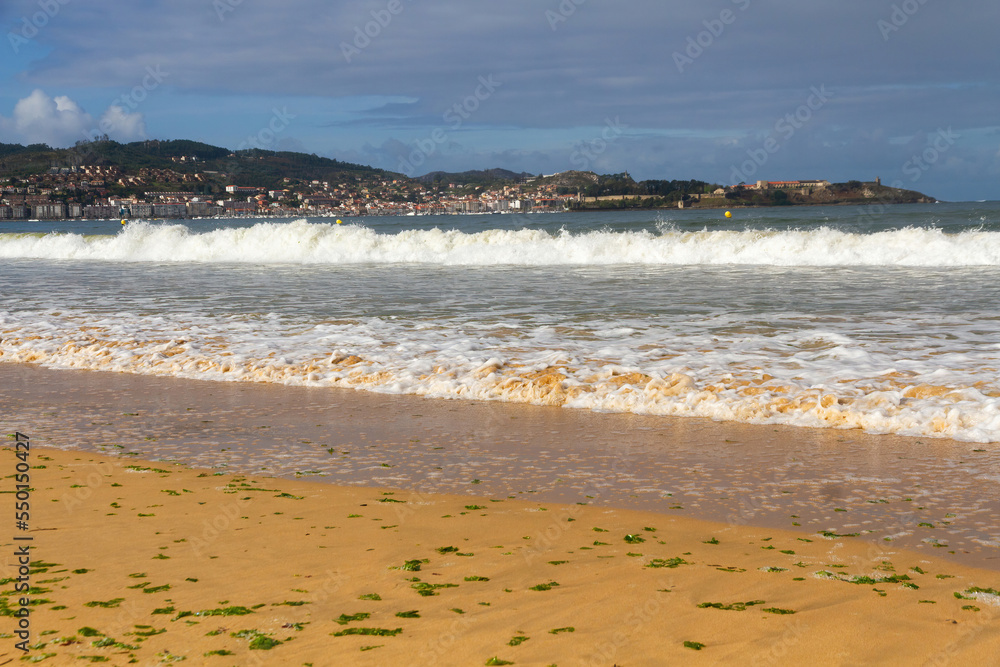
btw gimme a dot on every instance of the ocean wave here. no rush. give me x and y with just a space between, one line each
302 242
751 381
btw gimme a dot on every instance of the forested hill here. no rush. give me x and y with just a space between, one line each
246 167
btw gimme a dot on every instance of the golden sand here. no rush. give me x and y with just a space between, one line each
151 563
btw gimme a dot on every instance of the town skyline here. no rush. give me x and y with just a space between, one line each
110 191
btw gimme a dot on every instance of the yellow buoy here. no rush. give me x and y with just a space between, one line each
340 222
729 214
123 222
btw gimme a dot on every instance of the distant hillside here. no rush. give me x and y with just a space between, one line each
619 191
571 179
855 192
13 149
247 167
851 192
474 177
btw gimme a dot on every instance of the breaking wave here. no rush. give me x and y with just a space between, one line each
302 242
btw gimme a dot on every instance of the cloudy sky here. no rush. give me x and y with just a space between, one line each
719 90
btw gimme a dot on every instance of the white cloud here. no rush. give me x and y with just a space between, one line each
39 118
122 125
59 121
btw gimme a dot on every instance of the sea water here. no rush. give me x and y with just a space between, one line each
885 319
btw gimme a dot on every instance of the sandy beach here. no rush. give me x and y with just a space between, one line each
344 547
154 562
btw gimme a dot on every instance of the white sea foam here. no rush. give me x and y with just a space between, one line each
302 242
647 370
660 322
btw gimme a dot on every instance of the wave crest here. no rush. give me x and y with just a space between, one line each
303 242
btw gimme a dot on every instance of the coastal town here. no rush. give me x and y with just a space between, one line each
87 192
181 179
60 194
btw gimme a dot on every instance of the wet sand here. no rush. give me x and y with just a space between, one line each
937 497
151 563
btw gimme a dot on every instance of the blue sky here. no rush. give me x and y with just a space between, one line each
718 90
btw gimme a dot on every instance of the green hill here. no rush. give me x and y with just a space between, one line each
248 167
475 177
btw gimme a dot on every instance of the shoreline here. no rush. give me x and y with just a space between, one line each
275 571
730 206
919 494
693 207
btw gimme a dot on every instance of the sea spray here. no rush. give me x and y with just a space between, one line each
313 243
